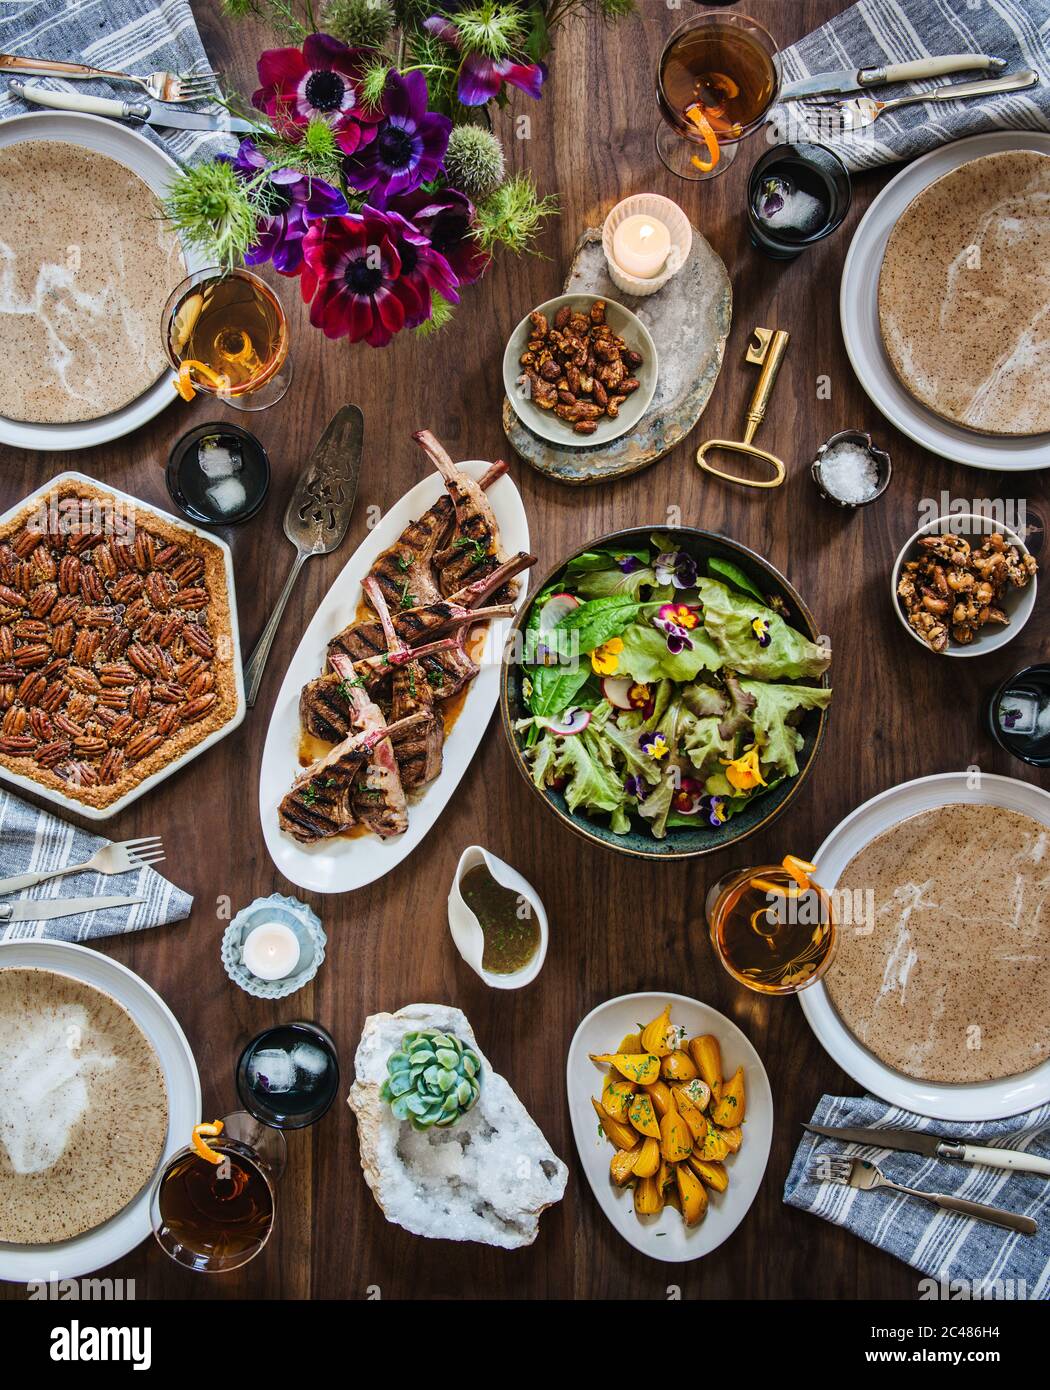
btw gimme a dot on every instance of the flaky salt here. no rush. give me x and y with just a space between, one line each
849 473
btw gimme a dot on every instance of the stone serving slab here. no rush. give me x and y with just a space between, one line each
689 319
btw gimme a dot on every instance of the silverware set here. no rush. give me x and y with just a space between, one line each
171 87
119 858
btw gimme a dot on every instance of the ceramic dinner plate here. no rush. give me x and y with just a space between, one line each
859 311
665 1237
116 1237
342 863
156 169
985 1100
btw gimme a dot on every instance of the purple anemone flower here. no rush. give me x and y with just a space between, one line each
409 145
292 200
446 219
481 78
321 81
423 270
351 277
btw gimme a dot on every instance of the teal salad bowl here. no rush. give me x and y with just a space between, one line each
666 692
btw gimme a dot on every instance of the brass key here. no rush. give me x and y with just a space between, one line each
766 350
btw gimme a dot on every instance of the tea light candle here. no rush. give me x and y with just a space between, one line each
271 951
641 246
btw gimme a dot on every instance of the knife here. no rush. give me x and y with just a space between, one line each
859 79
40 909
916 1141
144 112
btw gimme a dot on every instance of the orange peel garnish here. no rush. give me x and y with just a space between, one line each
703 125
201 1148
799 869
184 381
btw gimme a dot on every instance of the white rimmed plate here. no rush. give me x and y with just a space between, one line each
983 1100
342 863
859 312
121 1233
148 783
666 1237
157 170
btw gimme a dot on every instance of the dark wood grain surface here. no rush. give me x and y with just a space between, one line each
617 924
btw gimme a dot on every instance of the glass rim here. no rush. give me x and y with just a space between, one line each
243 1151
216 272
708 20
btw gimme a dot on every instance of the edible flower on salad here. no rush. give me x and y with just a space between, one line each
717 813
655 745
760 627
605 660
677 568
744 772
677 620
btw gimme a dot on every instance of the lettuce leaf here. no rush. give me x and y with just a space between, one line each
777 709
728 619
592 784
645 656
704 744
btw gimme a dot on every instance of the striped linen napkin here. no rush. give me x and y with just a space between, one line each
875 32
32 840
139 36
995 1263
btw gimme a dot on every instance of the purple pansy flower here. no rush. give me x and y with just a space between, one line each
716 811
293 200
675 567
446 219
321 81
423 270
760 627
627 564
481 78
409 145
654 744
635 786
676 621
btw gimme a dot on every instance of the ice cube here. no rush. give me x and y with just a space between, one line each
1018 712
782 205
271 1070
219 459
309 1059
227 496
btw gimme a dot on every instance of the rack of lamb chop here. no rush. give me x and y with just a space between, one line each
380 700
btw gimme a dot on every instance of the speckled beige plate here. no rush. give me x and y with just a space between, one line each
83 1107
88 265
964 295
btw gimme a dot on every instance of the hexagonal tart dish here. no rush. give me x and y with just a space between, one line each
119 648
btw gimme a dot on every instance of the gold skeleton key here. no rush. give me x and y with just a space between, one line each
766 350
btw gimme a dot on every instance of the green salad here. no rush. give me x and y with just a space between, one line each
662 688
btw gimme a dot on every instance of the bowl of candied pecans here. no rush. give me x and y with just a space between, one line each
964 585
580 370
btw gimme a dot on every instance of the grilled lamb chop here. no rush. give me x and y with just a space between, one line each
378 798
474 549
419 758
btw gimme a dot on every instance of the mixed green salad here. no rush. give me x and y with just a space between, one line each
662 688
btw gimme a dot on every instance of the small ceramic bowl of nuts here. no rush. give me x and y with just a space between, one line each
963 586
580 370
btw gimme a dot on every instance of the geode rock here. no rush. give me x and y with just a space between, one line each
486 1178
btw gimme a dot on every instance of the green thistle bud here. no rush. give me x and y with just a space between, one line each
212 209
474 161
359 23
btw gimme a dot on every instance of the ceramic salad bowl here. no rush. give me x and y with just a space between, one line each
741 578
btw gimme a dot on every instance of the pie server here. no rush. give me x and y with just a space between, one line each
143 112
914 1141
860 79
40 909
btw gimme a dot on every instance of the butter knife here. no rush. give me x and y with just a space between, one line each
41 909
860 79
917 1141
144 112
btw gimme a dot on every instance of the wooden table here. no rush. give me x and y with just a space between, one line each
617 924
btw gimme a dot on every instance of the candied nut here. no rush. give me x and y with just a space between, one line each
14 721
561 318
196 709
11 597
566 398
111 766
82 680
540 326
42 599
17 745
166 557
91 586
143 744
585 426
140 699
48 754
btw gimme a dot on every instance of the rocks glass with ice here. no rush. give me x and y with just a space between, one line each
288 1076
797 194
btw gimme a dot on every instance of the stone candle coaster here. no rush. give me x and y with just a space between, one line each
308 931
689 320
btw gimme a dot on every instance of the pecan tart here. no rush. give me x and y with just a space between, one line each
116 644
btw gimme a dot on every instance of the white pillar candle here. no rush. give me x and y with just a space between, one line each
271 951
641 246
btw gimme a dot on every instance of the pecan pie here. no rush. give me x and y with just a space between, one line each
116 650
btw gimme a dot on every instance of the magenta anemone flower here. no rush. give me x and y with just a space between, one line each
446 219
292 201
319 81
409 144
423 270
481 78
352 277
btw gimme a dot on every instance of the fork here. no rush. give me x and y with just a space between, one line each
170 87
110 859
859 112
866 1177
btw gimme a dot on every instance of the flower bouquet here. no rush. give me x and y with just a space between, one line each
373 174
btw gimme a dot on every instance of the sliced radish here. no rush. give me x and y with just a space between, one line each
616 690
572 721
557 607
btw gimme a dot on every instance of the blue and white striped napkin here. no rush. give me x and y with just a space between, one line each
873 33
32 840
996 1263
139 36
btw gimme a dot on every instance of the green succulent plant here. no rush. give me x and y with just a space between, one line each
433 1080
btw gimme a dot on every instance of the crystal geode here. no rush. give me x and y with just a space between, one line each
486 1178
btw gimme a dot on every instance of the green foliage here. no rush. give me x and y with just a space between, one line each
496 30
474 161
213 210
441 312
312 149
359 23
373 82
513 215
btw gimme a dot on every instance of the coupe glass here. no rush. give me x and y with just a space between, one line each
771 935
719 66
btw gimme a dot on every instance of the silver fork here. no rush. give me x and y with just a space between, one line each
170 87
865 1176
859 112
110 859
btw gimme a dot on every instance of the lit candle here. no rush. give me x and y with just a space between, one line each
271 951
641 245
